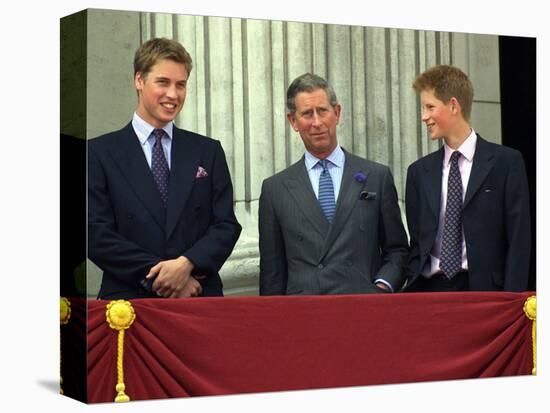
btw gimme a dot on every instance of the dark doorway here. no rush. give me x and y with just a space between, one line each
518 64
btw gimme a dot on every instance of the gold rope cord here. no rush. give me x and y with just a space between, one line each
64 316
530 310
120 315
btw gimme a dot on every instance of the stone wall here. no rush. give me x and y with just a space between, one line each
236 94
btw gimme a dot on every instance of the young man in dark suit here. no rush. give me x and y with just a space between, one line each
160 199
468 203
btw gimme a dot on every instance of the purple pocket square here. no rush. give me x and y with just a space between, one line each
201 173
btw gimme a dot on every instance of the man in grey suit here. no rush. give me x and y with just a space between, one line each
330 223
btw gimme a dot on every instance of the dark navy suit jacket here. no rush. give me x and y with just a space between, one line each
129 231
495 217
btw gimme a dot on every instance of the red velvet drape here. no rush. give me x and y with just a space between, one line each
209 346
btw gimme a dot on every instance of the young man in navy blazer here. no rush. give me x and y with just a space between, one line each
468 203
160 199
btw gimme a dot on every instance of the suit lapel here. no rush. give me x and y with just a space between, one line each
129 155
348 196
185 159
433 176
300 189
482 165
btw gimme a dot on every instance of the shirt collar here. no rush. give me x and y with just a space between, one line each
143 129
336 157
467 149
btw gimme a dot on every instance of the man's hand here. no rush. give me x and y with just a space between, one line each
171 276
383 286
191 289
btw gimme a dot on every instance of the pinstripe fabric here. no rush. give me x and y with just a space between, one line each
326 192
302 253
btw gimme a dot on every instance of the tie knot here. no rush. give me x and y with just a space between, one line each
324 164
158 133
455 156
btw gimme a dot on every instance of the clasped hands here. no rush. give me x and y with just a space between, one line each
173 279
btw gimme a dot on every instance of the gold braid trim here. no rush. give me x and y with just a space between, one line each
530 310
64 310
120 315
64 316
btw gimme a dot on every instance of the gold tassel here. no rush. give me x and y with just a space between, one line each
64 316
530 310
120 315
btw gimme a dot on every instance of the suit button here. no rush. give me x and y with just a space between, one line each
320 266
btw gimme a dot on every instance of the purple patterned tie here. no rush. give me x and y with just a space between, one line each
159 166
451 246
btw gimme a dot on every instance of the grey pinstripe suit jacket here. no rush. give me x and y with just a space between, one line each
301 253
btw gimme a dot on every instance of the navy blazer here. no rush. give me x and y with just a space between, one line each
129 231
495 217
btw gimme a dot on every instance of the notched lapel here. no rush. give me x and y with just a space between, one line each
133 165
348 198
433 171
300 189
185 159
482 165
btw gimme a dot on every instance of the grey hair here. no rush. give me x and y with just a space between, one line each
308 82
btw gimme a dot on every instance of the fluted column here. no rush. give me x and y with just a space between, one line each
236 94
241 72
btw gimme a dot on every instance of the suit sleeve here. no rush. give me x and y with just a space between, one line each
209 253
273 265
411 207
107 248
392 235
518 230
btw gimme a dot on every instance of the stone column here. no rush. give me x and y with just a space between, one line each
242 68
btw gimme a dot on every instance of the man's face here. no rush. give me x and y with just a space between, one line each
439 117
161 92
315 120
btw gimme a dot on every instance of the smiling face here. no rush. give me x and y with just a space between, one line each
439 117
315 120
161 92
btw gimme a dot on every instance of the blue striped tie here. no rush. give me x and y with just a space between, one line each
326 192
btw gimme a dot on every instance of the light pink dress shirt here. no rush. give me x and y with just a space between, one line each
467 149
